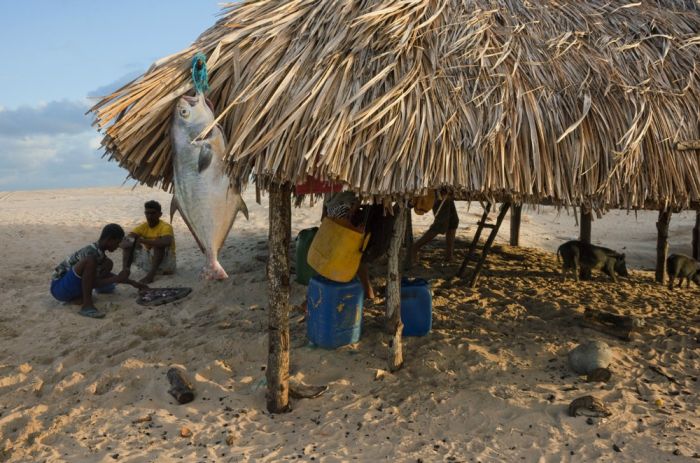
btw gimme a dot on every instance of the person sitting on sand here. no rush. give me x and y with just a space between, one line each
89 268
446 222
151 245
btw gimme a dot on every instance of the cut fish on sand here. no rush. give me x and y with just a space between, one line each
203 193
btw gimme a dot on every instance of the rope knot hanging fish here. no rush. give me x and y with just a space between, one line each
199 73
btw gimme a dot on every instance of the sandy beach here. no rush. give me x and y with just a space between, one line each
490 383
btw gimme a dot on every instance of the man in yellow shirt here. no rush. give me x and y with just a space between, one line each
151 245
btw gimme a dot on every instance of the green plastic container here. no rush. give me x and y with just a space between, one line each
304 270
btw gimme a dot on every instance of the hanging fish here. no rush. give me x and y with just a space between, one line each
203 195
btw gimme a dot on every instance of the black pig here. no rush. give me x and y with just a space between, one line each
678 265
577 254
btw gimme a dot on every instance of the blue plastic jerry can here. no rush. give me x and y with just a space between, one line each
334 312
416 307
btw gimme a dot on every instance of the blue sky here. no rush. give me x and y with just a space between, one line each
56 54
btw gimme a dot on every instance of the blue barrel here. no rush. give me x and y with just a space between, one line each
334 312
416 307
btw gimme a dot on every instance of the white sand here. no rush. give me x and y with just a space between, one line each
489 383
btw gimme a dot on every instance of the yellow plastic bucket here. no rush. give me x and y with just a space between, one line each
335 251
424 203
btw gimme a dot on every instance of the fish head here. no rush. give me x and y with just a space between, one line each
192 114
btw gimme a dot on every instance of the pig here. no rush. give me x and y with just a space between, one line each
575 254
678 265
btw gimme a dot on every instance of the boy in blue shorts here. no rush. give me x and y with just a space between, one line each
89 268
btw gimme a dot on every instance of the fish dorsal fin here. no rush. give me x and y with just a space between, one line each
205 155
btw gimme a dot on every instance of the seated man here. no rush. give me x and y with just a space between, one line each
151 245
89 268
446 222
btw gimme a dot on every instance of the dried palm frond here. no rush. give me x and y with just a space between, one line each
563 102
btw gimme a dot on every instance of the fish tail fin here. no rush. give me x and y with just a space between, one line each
214 271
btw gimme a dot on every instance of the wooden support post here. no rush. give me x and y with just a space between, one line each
696 236
586 221
394 325
662 243
515 215
408 239
586 226
278 293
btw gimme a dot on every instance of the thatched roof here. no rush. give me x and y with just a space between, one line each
563 101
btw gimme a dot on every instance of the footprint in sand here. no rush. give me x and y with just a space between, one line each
151 331
20 429
7 332
103 385
70 381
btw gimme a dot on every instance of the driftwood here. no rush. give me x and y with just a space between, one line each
658 370
278 291
299 390
588 406
619 326
180 386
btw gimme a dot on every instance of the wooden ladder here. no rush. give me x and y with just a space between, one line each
471 254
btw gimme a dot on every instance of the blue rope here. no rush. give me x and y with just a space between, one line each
199 73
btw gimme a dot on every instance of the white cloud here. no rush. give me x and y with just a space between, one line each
55 117
55 161
112 86
28 152
52 145
96 142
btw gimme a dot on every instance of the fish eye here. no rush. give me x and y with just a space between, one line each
184 113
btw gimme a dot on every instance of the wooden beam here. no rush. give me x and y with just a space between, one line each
278 294
662 243
515 215
648 205
394 325
688 145
696 236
